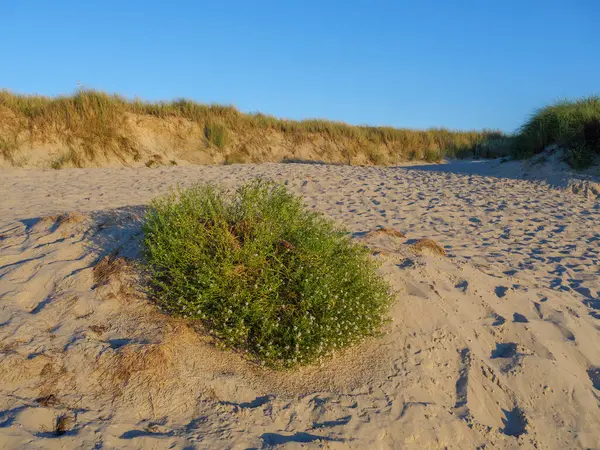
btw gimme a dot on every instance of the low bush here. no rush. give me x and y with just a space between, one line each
262 272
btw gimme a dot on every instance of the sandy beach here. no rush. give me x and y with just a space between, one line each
494 345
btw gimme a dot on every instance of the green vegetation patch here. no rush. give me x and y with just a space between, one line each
262 272
216 134
574 125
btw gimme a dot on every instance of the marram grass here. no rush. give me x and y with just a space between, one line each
563 124
91 125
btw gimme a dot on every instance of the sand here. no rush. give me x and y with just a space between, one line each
493 343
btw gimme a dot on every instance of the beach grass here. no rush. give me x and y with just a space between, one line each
572 125
96 125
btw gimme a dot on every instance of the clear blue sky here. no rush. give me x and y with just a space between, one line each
458 64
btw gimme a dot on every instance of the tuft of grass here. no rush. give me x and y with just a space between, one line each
239 156
262 272
155 160
108 267
432 155
374 155
8 148
430 245
581 156
216 134
386 231
70 158
569 124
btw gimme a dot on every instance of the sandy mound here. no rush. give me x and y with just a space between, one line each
493 345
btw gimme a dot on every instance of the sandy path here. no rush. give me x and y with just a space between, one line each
495 345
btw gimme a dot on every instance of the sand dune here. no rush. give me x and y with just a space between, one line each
494 344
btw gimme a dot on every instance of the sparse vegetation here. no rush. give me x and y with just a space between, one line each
573 125
70 158
108 267
262 273
8 147
91 126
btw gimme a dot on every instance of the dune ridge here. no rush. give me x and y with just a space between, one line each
95 129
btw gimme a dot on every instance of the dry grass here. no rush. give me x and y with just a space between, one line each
429 245
48 400
155 160
90 127
64 424
386 231
70 218
8 148
98 328
109 267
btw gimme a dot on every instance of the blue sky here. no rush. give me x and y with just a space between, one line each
419 64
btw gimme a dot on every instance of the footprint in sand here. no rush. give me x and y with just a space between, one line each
462 285
498 320
515 422
500 291
594 374
504 350
519 318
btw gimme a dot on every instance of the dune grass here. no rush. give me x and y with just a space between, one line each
8 148
94 124
217 134
573 125
91 125
262 272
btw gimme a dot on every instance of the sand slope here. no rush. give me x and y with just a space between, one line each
495 344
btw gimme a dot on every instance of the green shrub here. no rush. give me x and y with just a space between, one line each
263 273
216 134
